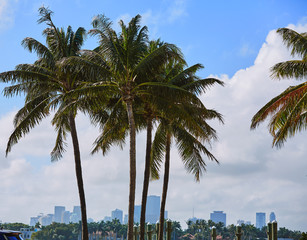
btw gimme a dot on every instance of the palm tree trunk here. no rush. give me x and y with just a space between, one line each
146 178
165 184
132 169
78 169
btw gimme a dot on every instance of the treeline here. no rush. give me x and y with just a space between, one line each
199 230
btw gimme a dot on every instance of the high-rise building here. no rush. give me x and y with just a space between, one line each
65 217
33 221
137 213
46 220
152 209
77 211
218 216
58 211
260 220
272 217
126 219
73 218
117 214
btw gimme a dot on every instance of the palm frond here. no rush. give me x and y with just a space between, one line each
290 69
294 41
157 151
190 150
41 50
288 97
27 118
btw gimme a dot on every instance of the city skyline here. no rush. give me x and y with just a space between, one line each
215 216
251 177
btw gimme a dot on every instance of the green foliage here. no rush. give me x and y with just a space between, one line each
286 233
304 236
57 231
201 230
13 226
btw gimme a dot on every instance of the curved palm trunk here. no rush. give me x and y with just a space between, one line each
78 169
146 179
132 170
165 184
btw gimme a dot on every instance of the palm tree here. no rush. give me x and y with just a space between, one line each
287 110
46 85
150 111
185 121
121 66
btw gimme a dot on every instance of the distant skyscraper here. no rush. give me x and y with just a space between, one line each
77 211
117 214
73 218
152 209
272 217
126 219
137 213
65 217
260 220
218 216
46 220
58 211
33 221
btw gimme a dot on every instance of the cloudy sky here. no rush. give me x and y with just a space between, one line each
237 43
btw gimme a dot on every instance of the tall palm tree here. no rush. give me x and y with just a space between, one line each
46 85
150 111
121 66
185 121
287 110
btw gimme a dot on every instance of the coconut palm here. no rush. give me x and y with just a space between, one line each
46 85
185 121
120 66
150 111
287 110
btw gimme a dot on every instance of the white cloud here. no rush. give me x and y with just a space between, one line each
7 13
177 10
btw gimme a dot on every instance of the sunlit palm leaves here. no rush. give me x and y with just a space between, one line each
288 110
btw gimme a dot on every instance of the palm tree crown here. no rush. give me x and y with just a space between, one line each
288 109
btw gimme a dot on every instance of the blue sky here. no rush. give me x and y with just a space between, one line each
236 42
